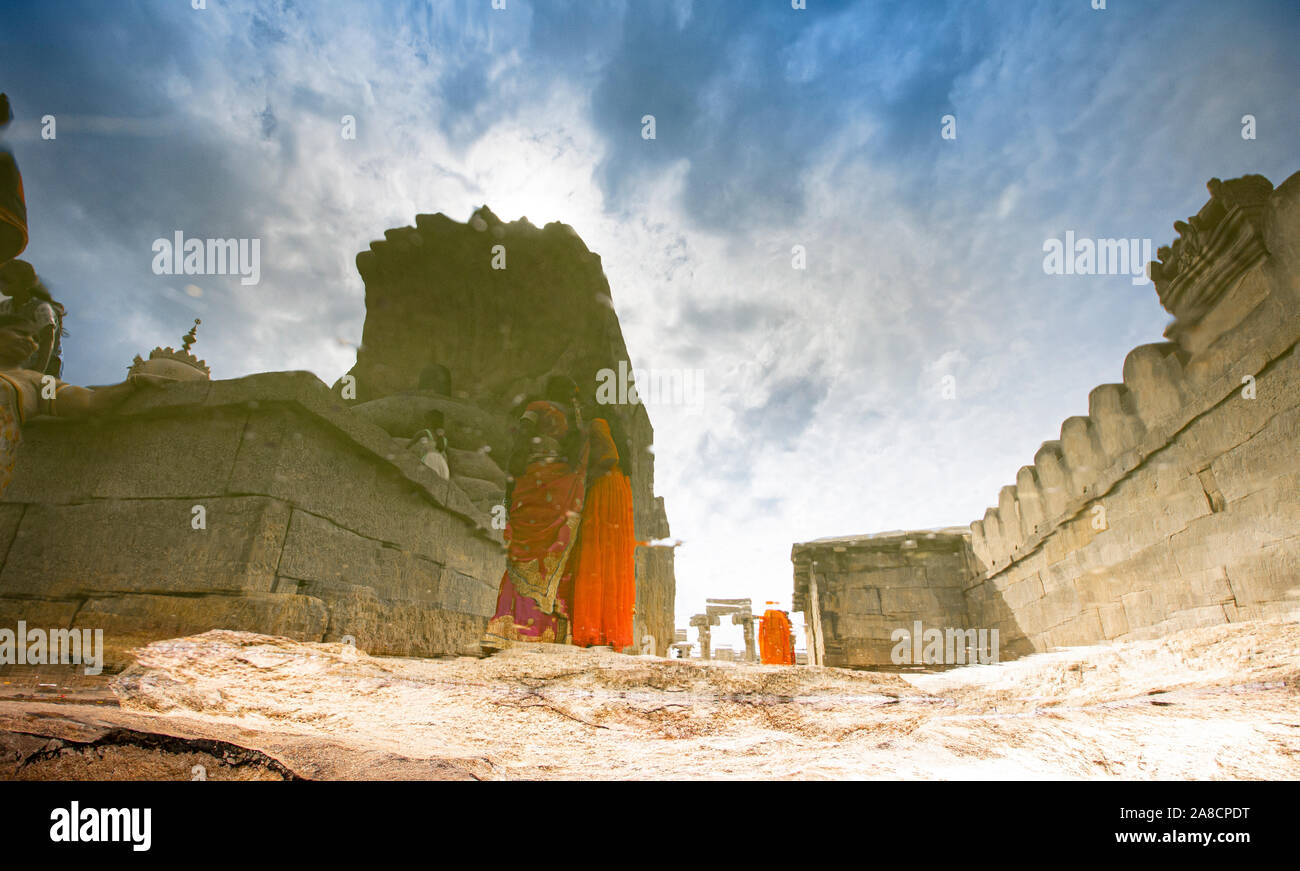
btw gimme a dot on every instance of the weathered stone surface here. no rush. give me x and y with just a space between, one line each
476 464
1083 628
332 480
483 494
146 546
468 595
394 628
318 550
289 481
1114 623
1254 464
130 621
910 601
869 587
857 601
1023 592
1267 577
468 428
320 710
127 457
38 613
10 516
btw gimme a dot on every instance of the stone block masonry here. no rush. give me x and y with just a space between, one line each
1175 502
863 588
312 524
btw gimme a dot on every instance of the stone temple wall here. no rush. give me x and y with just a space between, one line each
866 587
1176 501
318 525
503 306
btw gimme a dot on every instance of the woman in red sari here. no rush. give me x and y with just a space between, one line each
13 208
549 467
604 593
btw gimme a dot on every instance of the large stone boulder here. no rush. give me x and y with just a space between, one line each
502 306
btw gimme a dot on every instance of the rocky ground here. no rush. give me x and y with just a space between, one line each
1215 703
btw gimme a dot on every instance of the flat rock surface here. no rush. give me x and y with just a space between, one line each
1214 703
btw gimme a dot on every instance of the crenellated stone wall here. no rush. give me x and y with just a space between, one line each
1175 502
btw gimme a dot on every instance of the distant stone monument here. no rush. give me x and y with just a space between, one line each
741 614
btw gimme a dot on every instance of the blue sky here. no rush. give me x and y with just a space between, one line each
775 127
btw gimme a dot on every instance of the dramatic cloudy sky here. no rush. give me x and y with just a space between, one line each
823 412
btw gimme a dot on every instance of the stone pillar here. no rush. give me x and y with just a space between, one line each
701 621
813 622
747 626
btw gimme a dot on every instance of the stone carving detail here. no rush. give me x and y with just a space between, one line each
1214 247
169 363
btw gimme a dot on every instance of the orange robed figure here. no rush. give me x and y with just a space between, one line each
774 647
604 586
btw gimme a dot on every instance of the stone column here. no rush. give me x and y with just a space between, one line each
747 626
701 621
813 622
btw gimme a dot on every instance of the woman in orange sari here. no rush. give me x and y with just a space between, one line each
774 647
604 586
545 506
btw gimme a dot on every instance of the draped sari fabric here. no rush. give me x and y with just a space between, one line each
545 510
11 433
13 210
774 646
604 586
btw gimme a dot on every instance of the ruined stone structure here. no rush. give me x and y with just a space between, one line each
1174 503
502 307
856 591
261 503
271 504
741 613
